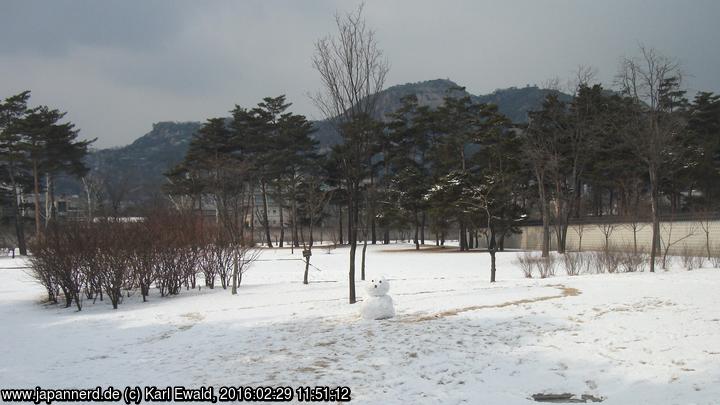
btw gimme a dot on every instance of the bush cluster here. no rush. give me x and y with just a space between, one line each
78 261
575 263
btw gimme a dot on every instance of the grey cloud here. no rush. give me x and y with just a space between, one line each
118 66
54 27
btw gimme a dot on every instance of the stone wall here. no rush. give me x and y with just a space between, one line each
680 235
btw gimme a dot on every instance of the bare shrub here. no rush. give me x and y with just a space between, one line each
574 262
714 257
110 257
686 258
689 259
546 266
224 262
587 264
631 261
715 260
57 263
142 258
330 247
605 261
595 266
208 264
176 250
526 261
42 270
664 262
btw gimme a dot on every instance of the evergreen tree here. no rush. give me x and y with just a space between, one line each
703 137
50 147
297 160
15 170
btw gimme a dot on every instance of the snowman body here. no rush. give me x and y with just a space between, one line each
377 304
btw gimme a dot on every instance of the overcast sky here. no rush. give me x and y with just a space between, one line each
119 66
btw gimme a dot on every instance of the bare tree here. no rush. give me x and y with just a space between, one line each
704 219
653 129
635 226
541 152
668 242
607 229
352 69
579 230
315 202
94 194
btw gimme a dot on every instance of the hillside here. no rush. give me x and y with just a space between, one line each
513 102
137 169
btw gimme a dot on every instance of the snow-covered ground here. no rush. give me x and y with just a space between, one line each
629 338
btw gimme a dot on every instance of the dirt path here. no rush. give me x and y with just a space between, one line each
564 292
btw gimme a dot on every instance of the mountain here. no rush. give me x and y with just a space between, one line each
514 102
136 170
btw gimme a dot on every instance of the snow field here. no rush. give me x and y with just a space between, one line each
630 338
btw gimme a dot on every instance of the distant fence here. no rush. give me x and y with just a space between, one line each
683 233
680 235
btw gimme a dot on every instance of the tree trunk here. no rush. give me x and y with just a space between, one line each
236 271
351 220
307 268
417 230
340 227
36 189
48 199
562 236
266 221
368 219
634 239
655 218
492 249
19 225
492 265
544 213
353 215
307 258
422 228
252 215
707 240
351 273
362 260
296 242
282 220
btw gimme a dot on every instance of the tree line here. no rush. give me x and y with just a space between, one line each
632 150
35 148
635 150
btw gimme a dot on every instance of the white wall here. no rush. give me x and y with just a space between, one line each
680 235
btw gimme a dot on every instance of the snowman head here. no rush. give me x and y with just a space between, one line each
377 287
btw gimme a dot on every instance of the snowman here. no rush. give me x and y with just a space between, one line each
377 304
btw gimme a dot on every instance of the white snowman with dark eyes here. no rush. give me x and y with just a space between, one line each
377 304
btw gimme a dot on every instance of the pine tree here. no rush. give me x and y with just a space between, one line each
703 137
50 147
15 171
297 160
